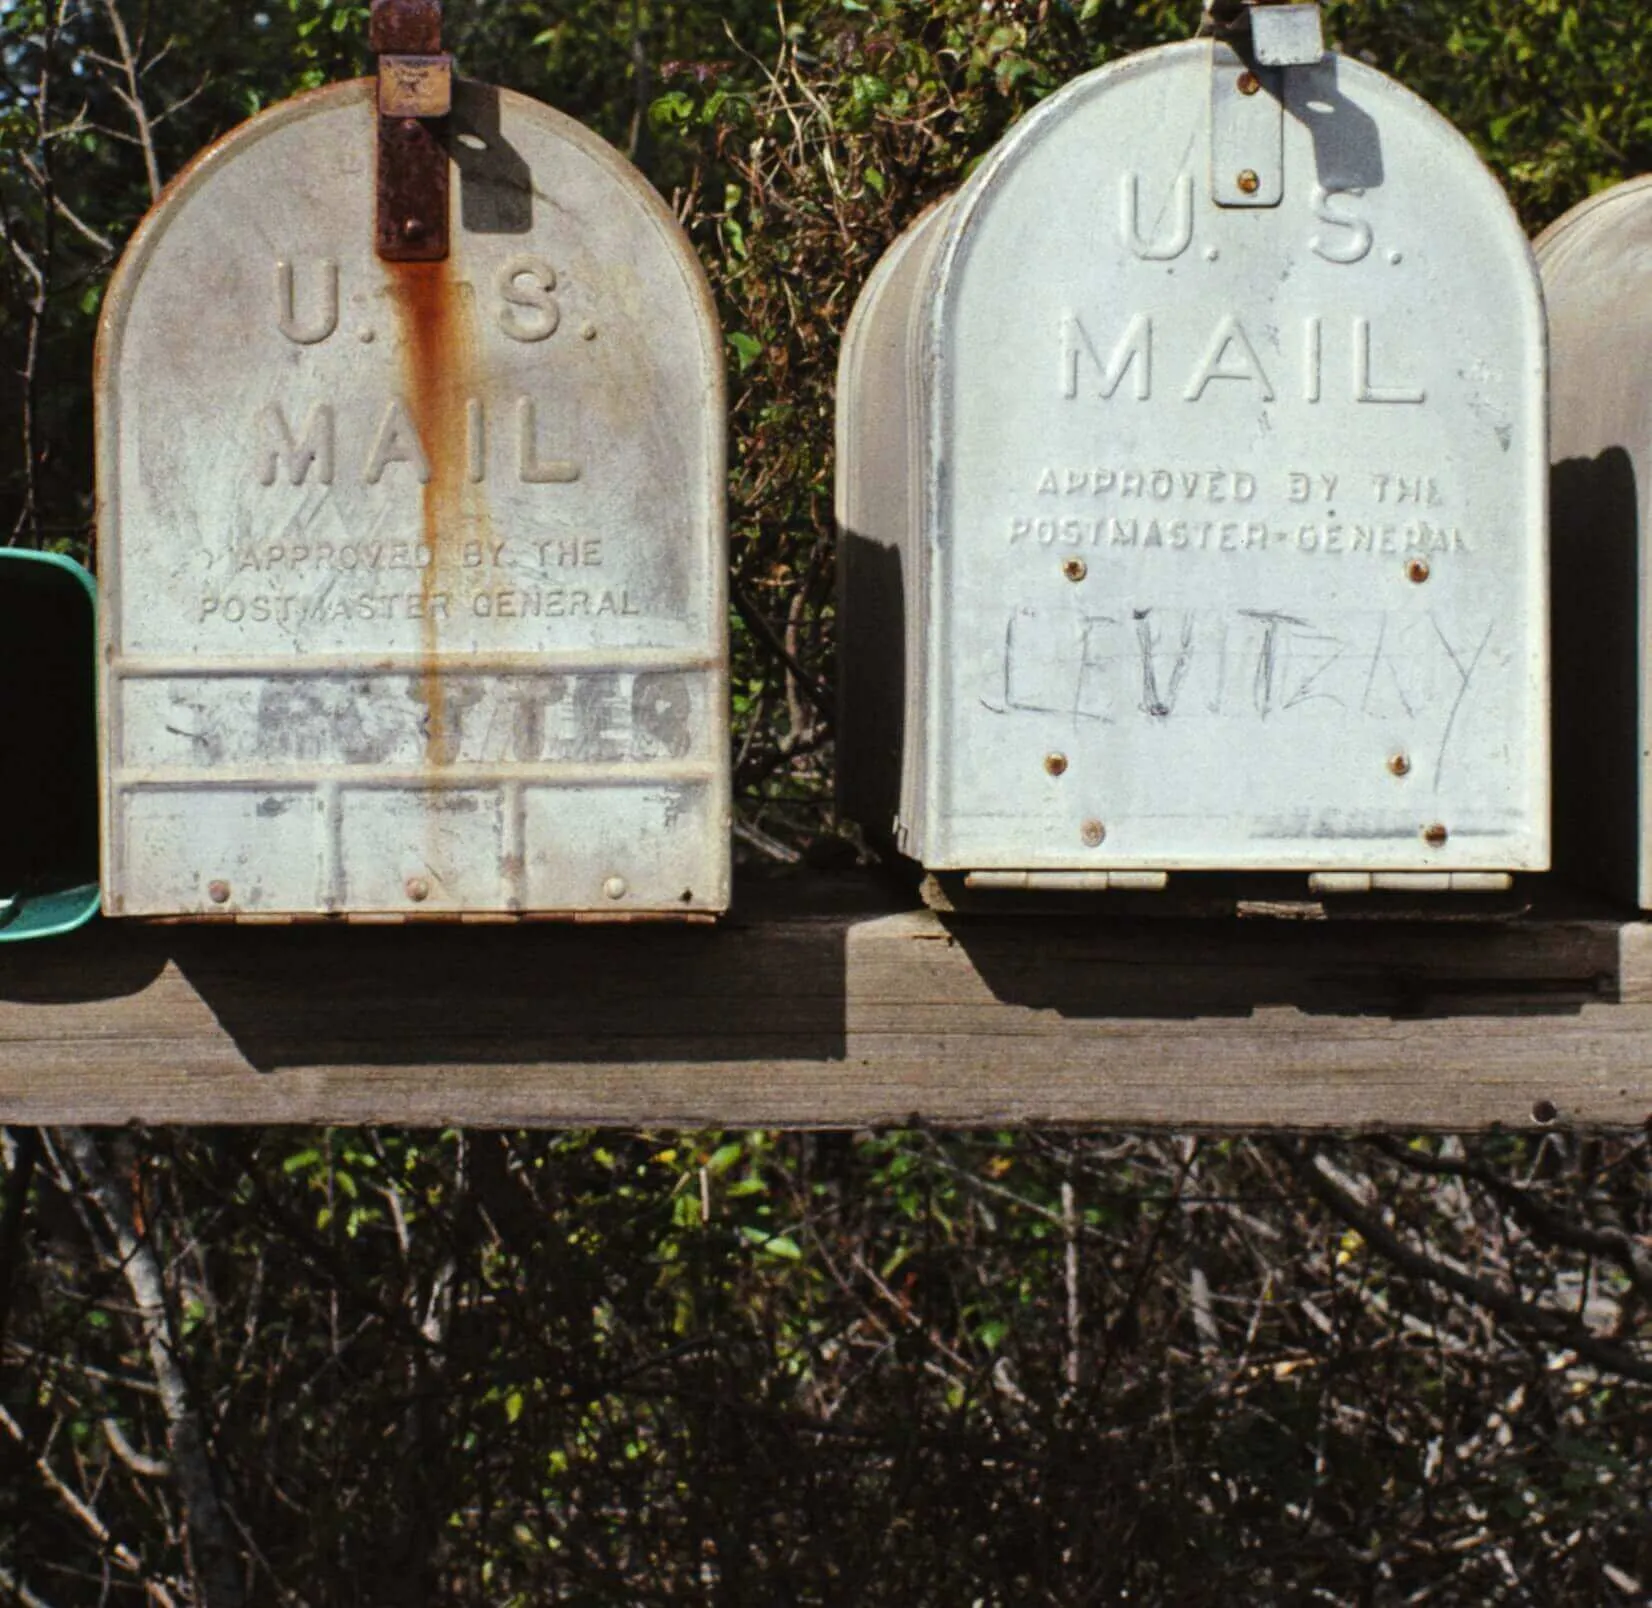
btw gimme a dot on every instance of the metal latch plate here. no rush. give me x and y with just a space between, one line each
1247 133
412 221
1286 36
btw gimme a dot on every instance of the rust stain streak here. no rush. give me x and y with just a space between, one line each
438 360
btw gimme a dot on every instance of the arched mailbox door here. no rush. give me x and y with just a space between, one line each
414 571
1220 539
1599 298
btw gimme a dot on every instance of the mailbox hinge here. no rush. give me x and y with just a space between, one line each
415 95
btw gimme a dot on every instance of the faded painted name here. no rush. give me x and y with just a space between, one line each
1257 665
605 717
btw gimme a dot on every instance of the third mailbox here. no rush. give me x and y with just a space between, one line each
1600 305
1192 496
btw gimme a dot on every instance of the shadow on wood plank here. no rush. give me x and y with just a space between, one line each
525 997
1184 970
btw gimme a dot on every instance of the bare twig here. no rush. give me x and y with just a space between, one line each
773 848
1069 1268
153 1468
211 1548
770 638
132 96
16 1588
1627 1251
81 1510
24 1159
1557 1327
37 265
143 1387
64 210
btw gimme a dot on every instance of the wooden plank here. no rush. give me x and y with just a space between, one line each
818 1004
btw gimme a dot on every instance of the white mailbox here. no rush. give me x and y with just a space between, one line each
1594 263
414 570
1191 492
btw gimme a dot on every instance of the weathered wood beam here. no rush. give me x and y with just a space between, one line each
819 1005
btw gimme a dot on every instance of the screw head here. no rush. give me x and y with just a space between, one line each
1249 182
614 887
1435 836
218 892
1056 764
1093 833
1399 764
1249 83
1075 569
1418 571
418 890
413 228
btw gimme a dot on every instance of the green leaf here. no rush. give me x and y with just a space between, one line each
671 110
778 1245
725 1156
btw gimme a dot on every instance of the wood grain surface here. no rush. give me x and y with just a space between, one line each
822 1003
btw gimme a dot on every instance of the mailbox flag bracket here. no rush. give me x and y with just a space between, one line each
1276 33
415 95
1286 35
1256 42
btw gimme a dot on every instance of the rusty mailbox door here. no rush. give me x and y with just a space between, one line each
414 570
1222 537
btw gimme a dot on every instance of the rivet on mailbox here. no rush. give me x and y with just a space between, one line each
411 462
1599 297
1285 362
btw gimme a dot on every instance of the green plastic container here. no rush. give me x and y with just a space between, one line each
48 745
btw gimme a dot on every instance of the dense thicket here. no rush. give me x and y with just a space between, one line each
896 1369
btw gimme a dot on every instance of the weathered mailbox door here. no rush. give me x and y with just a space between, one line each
1222 539
1600 311
414 571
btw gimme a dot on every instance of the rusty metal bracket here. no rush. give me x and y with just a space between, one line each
415 95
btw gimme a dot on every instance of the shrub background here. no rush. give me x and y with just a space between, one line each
911 1368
